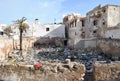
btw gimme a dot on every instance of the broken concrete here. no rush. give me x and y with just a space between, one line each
106 71
106 45
49 71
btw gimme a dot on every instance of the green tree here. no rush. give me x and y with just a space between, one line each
8 30
22 27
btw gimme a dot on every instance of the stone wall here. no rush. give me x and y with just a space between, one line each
45 42
107 71
86 43
113 18
109 46
7 45
26 43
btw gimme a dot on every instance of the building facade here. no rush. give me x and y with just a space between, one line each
47 30
75 26
103 22
100 22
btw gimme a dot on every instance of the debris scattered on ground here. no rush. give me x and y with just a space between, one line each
49 54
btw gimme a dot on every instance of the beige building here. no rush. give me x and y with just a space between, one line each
75 28
103 21
100 22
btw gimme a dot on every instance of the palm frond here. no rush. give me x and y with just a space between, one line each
24 26
21 23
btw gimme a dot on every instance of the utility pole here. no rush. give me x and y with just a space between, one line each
54 20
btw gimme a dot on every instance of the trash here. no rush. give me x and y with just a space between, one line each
67 52
13 60
37 65
67 61
49 55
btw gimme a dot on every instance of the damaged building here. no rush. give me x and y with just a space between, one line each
48 33
99 29
100 22
75 30
103 23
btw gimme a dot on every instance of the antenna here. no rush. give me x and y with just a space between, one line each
54 20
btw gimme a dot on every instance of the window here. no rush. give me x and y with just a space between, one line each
72 24
83 23
47 29
110 38
104 10
83 32
94 31
75 33
103 22
75 22
95 22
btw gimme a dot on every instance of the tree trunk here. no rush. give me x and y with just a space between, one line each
21 31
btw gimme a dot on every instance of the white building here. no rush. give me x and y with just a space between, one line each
3 26
38 30
48 30
53 30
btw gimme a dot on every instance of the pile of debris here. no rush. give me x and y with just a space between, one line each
56 61
107 71
55 54
67 71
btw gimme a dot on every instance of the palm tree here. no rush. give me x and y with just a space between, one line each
22 27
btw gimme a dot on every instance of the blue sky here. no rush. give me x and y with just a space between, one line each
46 10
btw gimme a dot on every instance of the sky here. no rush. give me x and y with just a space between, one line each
47 11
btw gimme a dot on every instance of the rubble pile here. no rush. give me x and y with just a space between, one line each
107 71
68 71
86 57
56 62
58 54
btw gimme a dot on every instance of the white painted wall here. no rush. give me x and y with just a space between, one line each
3 26
55 30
